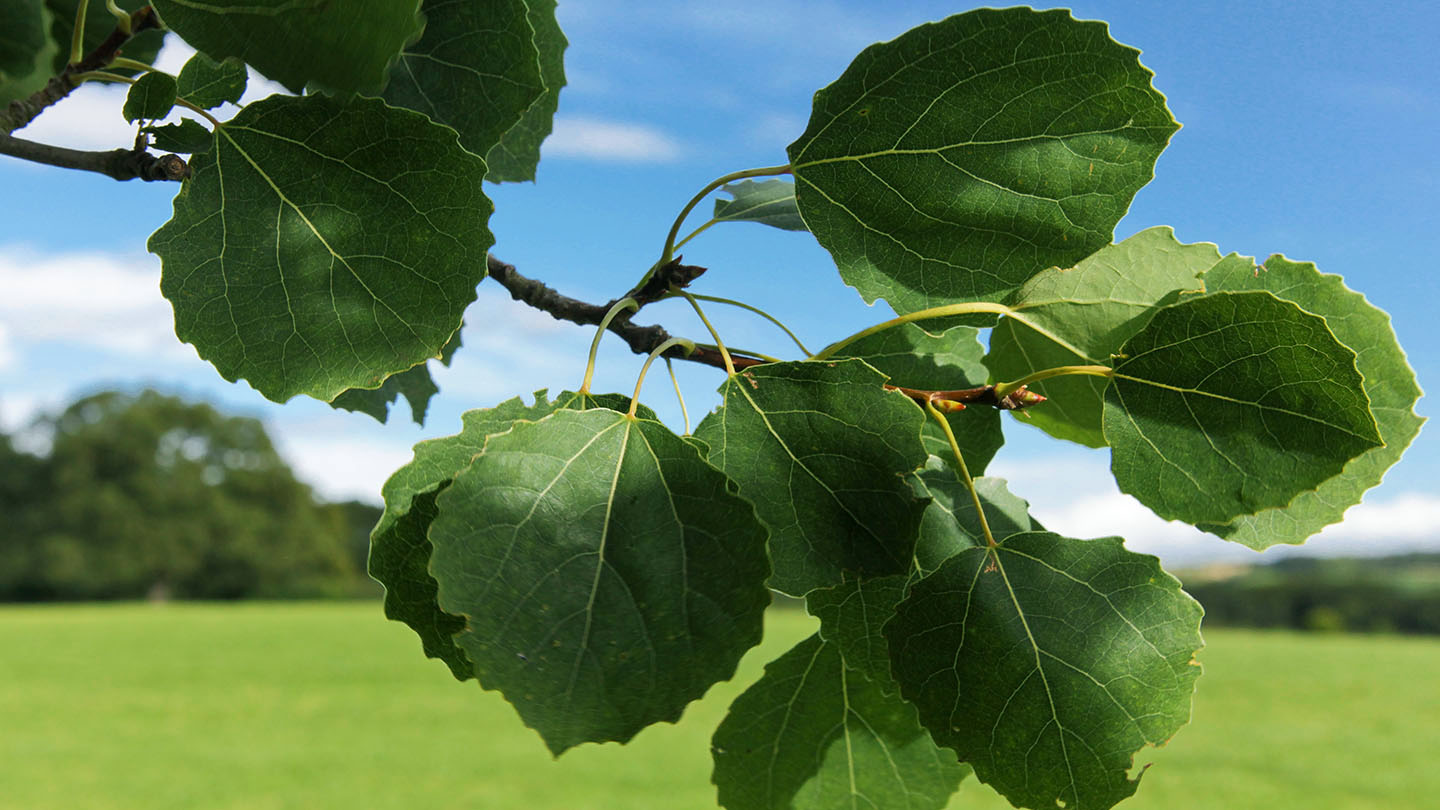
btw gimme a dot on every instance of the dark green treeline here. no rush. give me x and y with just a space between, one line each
150 496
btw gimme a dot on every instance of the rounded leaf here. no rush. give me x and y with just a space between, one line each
1389 383
814 734
956 161
1229 403
606 573
1046 662
323 244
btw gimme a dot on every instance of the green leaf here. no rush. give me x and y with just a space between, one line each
1230 403
338 46
415 384
914 358
187 136
851 616
813 735
957 160
399 544
22 37
25 82
607 575
1081 315
475 69
1075 404
822 450
1389 383
99 25
853 613
515 158
208 84
151 97
769 202
951 524
1046 662
324 244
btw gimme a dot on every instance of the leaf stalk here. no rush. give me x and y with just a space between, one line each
948 310
669 251
620 306
1003 390
719 344
645 369
762 313
963 471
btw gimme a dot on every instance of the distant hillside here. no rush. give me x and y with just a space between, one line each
1398 594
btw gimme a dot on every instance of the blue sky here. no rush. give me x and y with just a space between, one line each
1309 130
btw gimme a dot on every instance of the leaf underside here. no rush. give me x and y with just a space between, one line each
1081 315
812 734
345 47
414 384
515 158
475 69
399 544
1230 403
768 202
842 446
1389 383
207 83
607 574
989 650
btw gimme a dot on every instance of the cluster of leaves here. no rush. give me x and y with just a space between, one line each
601 571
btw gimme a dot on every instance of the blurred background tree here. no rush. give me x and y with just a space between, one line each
148 495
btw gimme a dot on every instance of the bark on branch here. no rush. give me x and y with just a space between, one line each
640 339
121 164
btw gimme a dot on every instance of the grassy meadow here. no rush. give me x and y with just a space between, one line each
317 706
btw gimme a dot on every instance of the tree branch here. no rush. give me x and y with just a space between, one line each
23 111
640 339
121 164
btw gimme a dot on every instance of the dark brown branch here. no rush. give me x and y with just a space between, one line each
954 400
121 164
22 111
640 339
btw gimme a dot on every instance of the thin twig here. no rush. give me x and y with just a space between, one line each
22 111
640 339
121 164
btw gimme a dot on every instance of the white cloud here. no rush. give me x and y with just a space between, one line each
90 118
92 299
606 140
1077 497
7 354
341 467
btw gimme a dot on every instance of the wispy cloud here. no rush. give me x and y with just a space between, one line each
1078 498
89 118
7 353
338 467
94 299
601 139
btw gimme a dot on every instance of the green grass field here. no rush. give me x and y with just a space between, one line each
314 706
